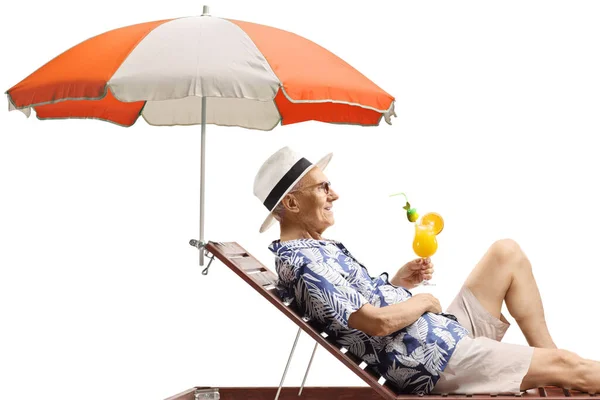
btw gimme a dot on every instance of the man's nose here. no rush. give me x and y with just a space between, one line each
333 194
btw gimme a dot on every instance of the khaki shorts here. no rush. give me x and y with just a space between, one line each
481 364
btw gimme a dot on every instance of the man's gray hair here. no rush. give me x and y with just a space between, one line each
279 209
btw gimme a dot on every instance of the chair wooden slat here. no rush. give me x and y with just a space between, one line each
262 279
356 360
247 263
373 372
230 249
553 391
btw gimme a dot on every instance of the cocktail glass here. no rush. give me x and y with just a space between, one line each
425 244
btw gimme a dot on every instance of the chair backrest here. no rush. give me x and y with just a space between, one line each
263 280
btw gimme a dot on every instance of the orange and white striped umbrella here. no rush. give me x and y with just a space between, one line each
201 70
251 75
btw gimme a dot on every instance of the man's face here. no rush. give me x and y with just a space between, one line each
315 199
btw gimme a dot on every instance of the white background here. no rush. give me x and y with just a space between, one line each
498 118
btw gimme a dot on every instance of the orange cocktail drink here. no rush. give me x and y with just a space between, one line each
425 244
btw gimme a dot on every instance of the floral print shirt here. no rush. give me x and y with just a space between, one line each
325 283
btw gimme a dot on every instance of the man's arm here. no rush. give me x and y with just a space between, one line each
381 321
332 296
412 273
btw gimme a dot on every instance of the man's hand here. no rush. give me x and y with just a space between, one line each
413 273
431 303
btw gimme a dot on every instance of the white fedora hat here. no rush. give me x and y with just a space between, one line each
278 175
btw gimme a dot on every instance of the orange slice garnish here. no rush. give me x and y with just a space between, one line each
435 220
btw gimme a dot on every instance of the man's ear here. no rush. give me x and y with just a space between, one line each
290 202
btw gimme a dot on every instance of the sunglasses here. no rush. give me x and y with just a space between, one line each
325 186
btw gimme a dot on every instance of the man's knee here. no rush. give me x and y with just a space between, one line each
568 366
506 250
566 358
563 368
552 367
579 373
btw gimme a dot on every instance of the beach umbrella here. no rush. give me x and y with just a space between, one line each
201 70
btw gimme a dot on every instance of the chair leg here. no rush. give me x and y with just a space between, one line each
288 363
308 368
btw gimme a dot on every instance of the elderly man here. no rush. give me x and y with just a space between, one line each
406 337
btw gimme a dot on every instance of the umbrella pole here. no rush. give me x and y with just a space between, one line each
199 244
202 159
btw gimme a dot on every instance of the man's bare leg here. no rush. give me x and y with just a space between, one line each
562 368
504 274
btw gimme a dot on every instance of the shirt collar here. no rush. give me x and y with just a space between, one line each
277 246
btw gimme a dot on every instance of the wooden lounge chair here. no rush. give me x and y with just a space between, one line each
263 280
